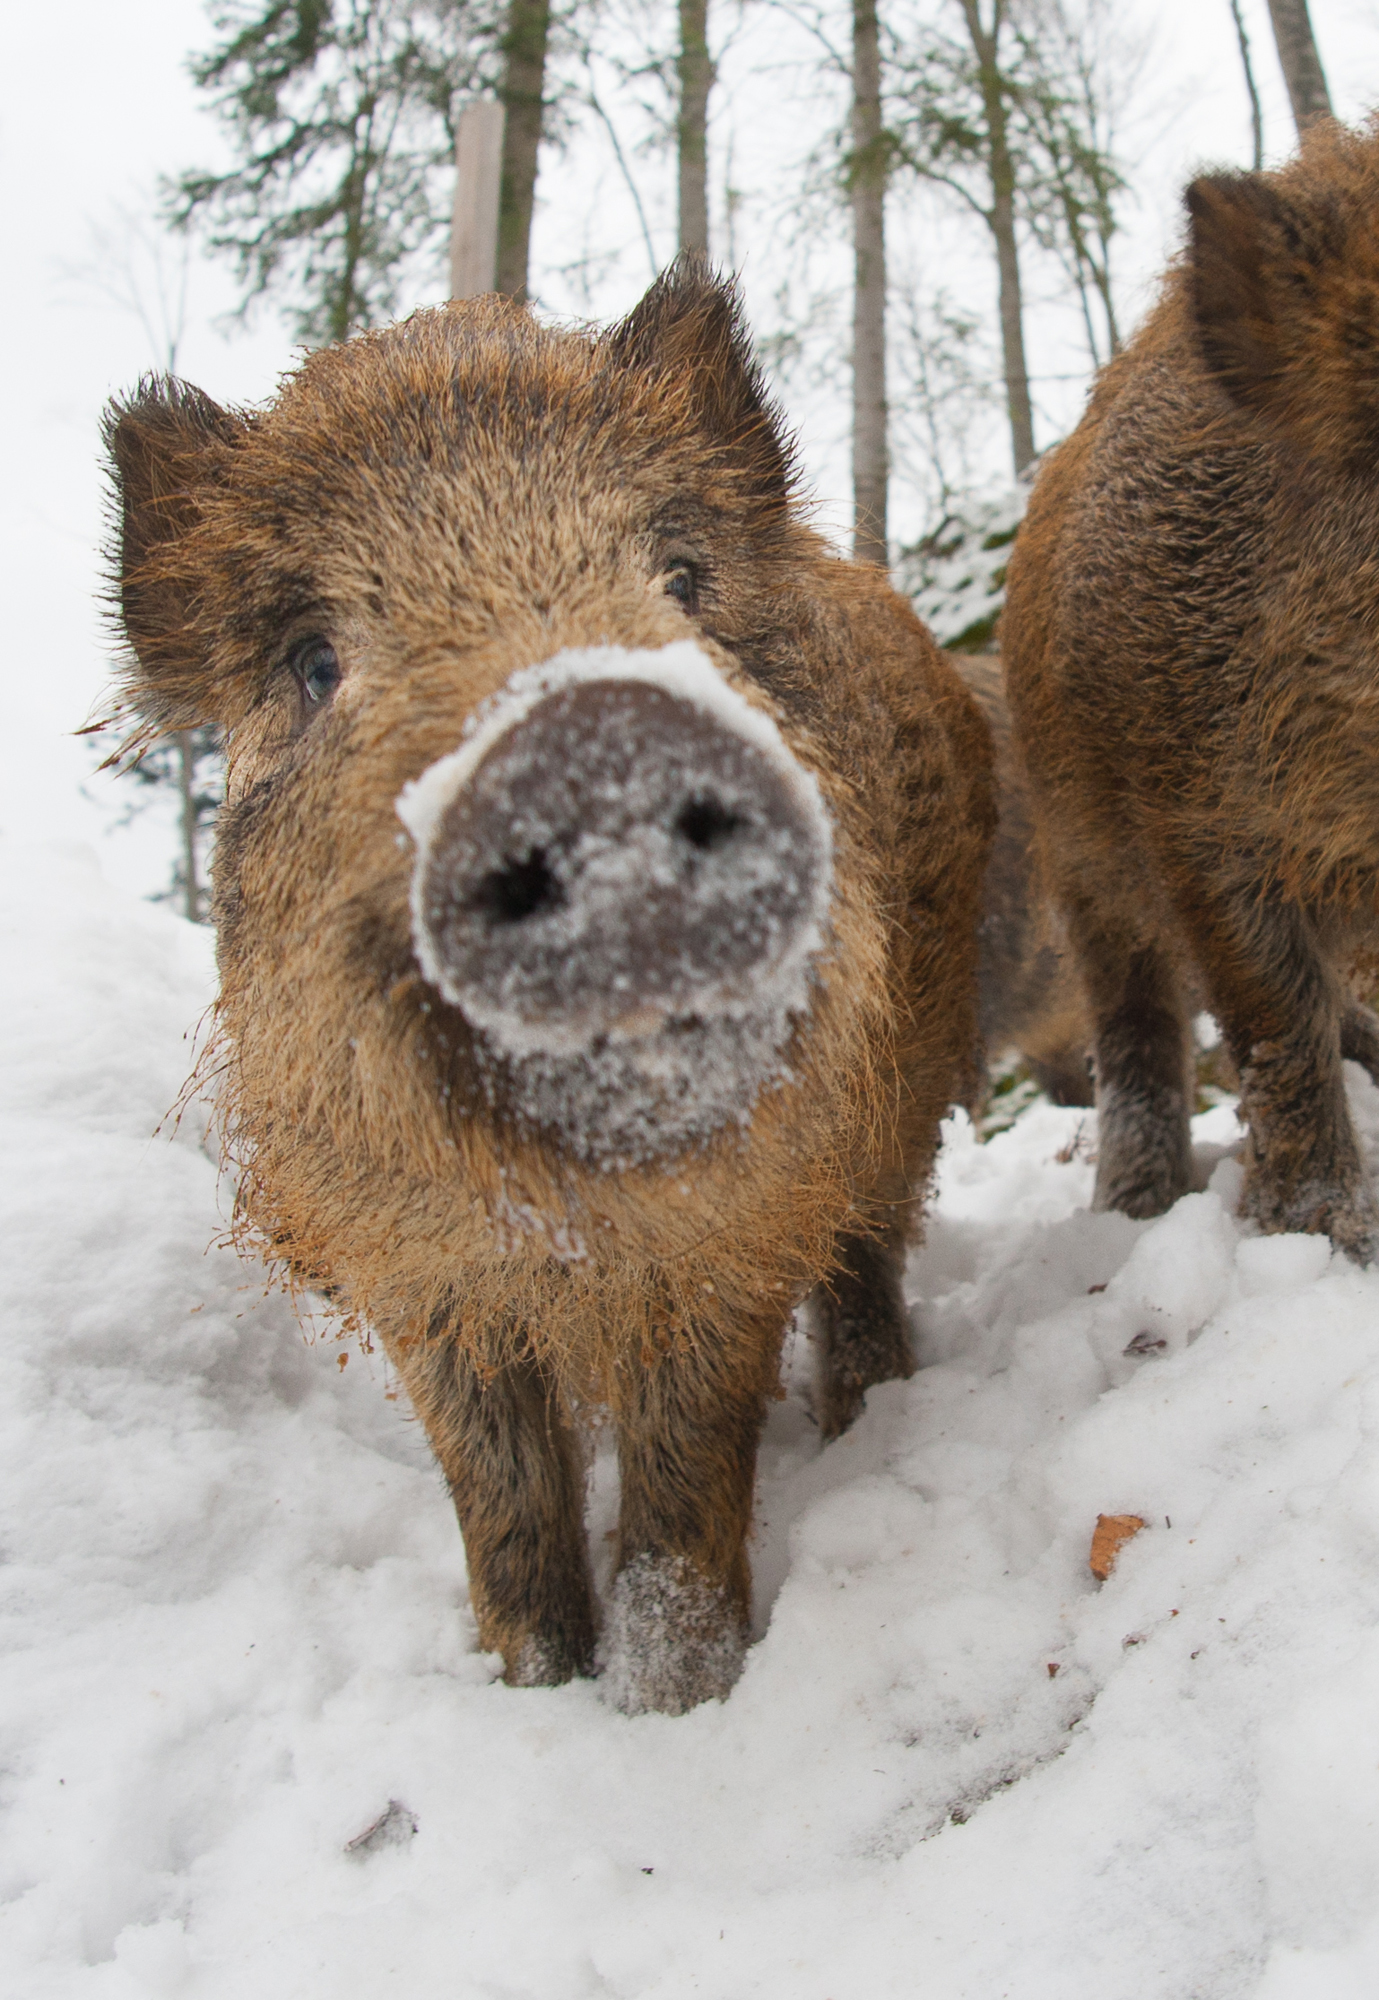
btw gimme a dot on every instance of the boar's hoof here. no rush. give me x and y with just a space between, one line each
861 1331
1347 1216
674 1639
623 842
1144 1151
542 1662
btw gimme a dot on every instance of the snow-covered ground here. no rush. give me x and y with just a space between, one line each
235 1623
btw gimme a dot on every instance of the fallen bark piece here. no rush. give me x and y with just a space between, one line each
394 1827
1111 1531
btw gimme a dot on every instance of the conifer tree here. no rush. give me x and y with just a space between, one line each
339 117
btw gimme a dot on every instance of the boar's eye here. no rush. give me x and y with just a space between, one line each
682 583
314 663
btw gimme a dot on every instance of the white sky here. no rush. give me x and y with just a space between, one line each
99 104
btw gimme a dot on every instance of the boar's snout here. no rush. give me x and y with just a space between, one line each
623 841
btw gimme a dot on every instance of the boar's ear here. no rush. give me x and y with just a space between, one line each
1285 296
166 445
689 326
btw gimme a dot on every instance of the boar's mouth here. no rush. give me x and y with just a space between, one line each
631 1104
621 881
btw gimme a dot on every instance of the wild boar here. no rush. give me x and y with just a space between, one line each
1190 644
1029 998
595 898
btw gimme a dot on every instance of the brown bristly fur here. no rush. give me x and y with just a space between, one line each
450 500
1190 649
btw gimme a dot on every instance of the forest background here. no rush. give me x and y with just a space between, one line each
107 130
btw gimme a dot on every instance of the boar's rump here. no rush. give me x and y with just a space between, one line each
1191 640
595 895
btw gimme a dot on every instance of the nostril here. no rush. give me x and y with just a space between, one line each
707 823
520 888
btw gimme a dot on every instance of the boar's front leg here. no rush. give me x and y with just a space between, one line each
688 1424
513 1470
1287 1026
862 1327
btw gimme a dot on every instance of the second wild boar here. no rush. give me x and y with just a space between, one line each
1191 640
595 898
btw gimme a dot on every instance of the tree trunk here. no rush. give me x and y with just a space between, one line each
695 70
186 785
521 93
1302 66
867 176
1256 115
1002 220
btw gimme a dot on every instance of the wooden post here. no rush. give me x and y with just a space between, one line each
478 172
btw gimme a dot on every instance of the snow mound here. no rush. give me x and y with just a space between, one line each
956 576
249 1746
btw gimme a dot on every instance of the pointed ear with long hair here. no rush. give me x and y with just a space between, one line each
1284 288
689 327
166 450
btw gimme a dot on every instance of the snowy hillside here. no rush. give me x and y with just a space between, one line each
956 577
235 1625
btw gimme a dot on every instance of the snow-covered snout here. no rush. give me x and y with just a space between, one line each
623 842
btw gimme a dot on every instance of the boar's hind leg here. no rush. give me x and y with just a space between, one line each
688 1424
1360 1037
862 1328
1143 1068
1288 1025
510 1461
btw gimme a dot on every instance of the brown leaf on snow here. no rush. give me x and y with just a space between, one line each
1111 1531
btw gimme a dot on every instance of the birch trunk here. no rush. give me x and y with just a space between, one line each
1302 66
985 46
521 93
868 191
